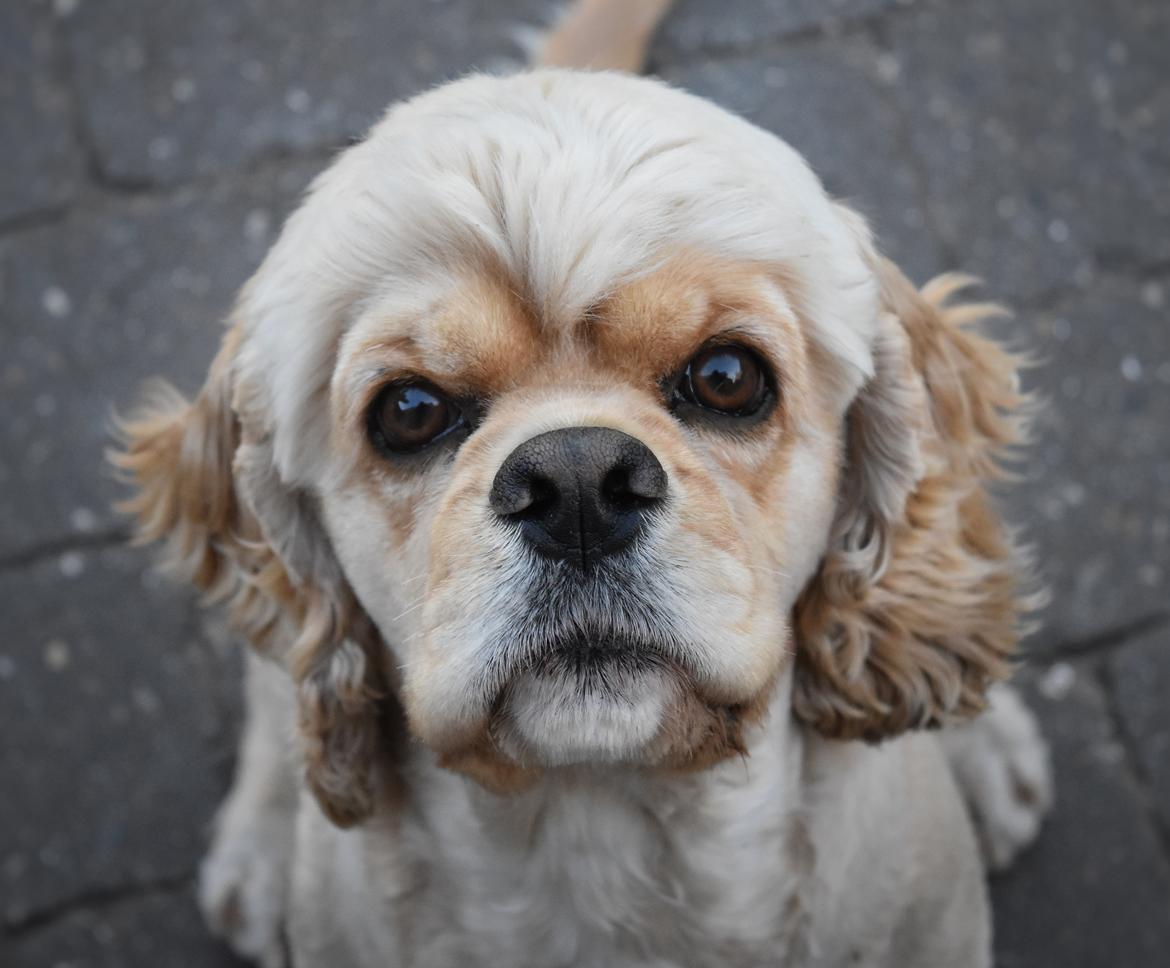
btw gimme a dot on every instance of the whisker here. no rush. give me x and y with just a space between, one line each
413 608
767 571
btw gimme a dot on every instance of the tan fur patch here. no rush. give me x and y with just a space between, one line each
698 734
604 35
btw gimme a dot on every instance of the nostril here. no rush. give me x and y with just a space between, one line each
615 486
639 475
522 494
619 489
541 494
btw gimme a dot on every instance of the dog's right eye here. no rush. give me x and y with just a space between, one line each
407 417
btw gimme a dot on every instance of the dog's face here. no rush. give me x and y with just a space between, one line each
582 537
556 407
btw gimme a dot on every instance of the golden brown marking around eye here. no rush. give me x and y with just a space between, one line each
485 337
655 324
469 346
692 310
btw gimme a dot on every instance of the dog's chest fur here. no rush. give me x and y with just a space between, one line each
584 871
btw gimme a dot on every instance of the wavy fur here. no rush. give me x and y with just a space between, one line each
197 493
919 604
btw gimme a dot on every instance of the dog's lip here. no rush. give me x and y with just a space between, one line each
586 653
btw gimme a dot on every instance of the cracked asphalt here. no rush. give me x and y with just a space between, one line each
152 148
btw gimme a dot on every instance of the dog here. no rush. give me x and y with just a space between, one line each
610 524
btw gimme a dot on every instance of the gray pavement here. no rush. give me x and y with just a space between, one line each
152 148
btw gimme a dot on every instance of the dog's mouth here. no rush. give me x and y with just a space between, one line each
596 664
591 673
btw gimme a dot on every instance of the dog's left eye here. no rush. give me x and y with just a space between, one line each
726 379
406 417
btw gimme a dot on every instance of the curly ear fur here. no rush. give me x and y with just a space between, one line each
341 696
917 607
207 488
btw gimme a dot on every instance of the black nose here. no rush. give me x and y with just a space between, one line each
580 493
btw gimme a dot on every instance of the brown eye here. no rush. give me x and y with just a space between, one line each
409 416
727 379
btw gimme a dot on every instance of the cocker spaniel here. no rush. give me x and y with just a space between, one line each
610 522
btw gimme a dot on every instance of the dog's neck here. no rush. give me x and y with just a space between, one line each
717 853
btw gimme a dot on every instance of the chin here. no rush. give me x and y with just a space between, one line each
594 704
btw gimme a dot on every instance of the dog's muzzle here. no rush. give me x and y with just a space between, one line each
579 494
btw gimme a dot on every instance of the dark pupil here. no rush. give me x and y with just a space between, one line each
723 381
415 415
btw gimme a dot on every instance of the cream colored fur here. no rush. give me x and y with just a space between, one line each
810 853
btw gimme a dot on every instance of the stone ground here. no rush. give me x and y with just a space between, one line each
152 148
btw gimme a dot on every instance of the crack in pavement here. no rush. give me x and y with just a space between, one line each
904 145
1132 760
1102 641
44 550
835 28
95 899
35 219
102 197
65 68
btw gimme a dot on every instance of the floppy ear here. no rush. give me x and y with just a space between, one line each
208 488
917 606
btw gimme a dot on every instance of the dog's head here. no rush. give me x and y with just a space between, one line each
570 412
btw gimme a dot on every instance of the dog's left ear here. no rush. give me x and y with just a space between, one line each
918 603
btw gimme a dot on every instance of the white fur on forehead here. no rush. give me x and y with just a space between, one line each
570 184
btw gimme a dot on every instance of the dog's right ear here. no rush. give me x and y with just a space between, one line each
207 487
179 456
